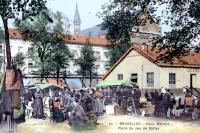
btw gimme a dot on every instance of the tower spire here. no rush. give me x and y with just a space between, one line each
77 21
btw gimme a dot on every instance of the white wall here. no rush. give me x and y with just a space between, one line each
22 46
136 63
101 63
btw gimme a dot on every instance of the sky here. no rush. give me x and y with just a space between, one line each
88 10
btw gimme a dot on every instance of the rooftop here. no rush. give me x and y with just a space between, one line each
192 60
71 39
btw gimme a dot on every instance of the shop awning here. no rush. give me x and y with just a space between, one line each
115 83
28 82
74 83
47 86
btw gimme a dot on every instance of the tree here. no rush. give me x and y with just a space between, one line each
19 60
18 10
44 38
181 15
1 35
1 41
86 61
184 18
59 58
119 17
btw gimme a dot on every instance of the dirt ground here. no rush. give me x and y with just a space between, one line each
115 124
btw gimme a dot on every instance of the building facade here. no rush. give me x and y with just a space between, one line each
146 30
74 43
141 66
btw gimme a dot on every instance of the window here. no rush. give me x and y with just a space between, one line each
120 76
134 78
97 67
20 48
75 54
97 55
172 80
1 49
30 49
106 54
150 79
30 65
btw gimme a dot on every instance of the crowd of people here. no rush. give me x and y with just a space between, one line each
80 105
170 106
88 104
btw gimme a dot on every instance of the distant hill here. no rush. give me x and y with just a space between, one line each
93 31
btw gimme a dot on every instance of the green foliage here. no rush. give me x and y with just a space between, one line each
48 47
1 35
86 61
182 16
119 18
59 58
19 10
19 60
184 19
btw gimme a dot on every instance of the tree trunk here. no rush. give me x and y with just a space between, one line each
57 73
90 78
7 41
83 74
42 73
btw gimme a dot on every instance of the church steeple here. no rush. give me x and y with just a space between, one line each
77 21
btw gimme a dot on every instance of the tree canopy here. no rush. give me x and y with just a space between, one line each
119 17
46 41
182 16
86 61
19 10
18 60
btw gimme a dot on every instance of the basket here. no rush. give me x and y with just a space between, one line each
120 110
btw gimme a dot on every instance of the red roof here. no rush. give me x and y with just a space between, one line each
73 39
192 60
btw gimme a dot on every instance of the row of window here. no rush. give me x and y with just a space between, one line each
150 78
97 54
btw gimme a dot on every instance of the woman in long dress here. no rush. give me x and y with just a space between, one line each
38 105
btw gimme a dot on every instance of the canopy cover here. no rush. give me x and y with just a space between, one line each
47 85
115 83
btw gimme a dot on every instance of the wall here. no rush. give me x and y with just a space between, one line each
182 77
135 63
18 45
101 62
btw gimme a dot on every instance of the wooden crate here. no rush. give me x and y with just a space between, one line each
120 110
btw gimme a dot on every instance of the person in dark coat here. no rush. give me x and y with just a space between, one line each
172 101
28 96
58 115
38 105
137 95
146 95
166 101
